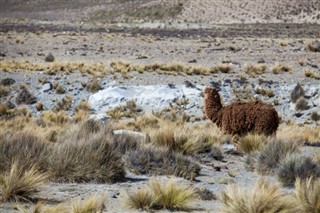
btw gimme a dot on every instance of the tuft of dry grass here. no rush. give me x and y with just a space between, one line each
296 93
314 116
224 68
64 104
93 204
93 85
27 146
312 74
301 104
171 196
262 197
161 161
314 47
39 106
273 153
308 195
20 182
255 69
297 166
4 91
141 199
251 142
86 158
280 68
82 111
25 97
51 118
265 92
312 135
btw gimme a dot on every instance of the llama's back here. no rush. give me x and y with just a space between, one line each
255 117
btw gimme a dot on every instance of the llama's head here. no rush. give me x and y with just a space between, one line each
211 93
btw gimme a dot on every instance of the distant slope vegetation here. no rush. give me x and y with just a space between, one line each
191 11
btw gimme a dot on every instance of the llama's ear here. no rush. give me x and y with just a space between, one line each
204 88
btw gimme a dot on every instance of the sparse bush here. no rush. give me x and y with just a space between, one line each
161 161
308 195
262 197
302 104
224 68
20 182
296 93
297 166
280 68
251 142
273 153
49 58
314 116
51 118
255 69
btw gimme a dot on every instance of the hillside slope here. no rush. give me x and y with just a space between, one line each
190 11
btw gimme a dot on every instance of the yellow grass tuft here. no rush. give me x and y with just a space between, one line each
262 197
93 204
4 91
141 199
51 118
255 69
312 74
20 183
251 142
308 195
170 196
280 68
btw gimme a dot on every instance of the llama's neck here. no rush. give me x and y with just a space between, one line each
212 107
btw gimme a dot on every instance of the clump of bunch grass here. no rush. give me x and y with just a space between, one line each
307 194
280 68
25 96
265 92
312 135
93 204
273 153
4 91
161 161
82 111
64 104
314 47
85 159
263 197
297 166
128 110
27 146
20 183
171 196
301 104
315 116
312 74
93 85
51 118
255 69
251 142
296 93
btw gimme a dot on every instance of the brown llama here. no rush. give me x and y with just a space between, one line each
238 119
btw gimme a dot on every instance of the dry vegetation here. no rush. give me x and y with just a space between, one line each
263 197
280 68
312 74
171 195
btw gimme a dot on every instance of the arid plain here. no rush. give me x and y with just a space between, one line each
102 106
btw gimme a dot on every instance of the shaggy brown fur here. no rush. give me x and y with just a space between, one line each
240 118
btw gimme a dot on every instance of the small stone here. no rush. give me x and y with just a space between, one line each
49 58
47 87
